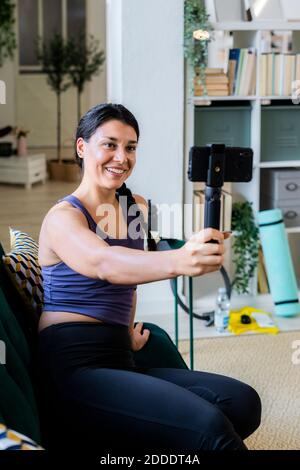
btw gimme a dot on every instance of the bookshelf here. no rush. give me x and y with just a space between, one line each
257 26
256 108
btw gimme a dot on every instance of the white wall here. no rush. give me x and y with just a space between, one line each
7 111
146 73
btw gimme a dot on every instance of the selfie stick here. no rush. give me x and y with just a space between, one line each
213 188
213 192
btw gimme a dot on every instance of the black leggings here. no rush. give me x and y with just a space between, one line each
92 394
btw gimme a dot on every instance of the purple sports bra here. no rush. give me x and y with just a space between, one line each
68 291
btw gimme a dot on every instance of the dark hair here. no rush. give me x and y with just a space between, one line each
97 116
88 125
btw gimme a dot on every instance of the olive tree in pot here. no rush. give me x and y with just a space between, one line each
8 42
53 55
85 60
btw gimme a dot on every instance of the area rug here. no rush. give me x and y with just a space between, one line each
270 365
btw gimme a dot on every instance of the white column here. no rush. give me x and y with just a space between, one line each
145 72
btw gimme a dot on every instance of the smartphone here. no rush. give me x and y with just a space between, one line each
238 164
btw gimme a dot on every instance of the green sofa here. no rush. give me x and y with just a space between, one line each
19 403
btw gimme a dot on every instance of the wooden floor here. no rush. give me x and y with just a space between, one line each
24 209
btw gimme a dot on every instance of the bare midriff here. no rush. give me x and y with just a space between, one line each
50 318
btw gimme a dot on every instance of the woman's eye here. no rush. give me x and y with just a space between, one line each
131 149
109 145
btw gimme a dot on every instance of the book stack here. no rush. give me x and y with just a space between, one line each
242 71
216 83
277 72
262 280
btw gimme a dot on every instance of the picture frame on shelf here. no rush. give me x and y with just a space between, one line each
291 10
267 10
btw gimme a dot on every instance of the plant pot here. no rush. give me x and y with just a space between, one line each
66 170
72 171
56 170
22 146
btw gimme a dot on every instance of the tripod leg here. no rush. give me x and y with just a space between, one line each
176 310
191 317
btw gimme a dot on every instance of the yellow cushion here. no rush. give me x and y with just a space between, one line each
13 440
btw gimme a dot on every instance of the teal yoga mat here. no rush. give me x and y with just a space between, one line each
279 265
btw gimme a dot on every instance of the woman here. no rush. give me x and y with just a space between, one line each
91 267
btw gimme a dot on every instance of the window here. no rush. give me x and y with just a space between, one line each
42 18
28 32
75 17
52 18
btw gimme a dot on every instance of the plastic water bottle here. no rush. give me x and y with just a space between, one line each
222 310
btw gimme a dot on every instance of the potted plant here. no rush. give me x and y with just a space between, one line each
85 60
197 34
245 246
7 34
53 56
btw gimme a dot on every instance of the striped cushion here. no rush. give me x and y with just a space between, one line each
23 267
13 440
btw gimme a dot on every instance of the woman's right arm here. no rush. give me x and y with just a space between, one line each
82 250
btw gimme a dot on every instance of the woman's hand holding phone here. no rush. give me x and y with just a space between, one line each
203 253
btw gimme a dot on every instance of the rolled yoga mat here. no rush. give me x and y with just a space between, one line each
279 265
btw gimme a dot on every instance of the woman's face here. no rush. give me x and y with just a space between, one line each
110 154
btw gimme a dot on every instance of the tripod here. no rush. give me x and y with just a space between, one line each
212 210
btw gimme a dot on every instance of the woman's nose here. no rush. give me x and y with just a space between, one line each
120 155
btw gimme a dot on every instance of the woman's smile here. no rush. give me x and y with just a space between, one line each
115 172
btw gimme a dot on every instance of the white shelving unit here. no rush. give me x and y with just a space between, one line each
262 25
245 34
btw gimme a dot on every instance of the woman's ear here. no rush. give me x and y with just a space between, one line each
80 147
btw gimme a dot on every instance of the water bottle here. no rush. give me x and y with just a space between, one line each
222 310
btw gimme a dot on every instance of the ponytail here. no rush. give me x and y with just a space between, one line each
124 191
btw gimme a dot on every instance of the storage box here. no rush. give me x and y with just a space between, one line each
280 189
280 133
281 185
223 125
290 210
